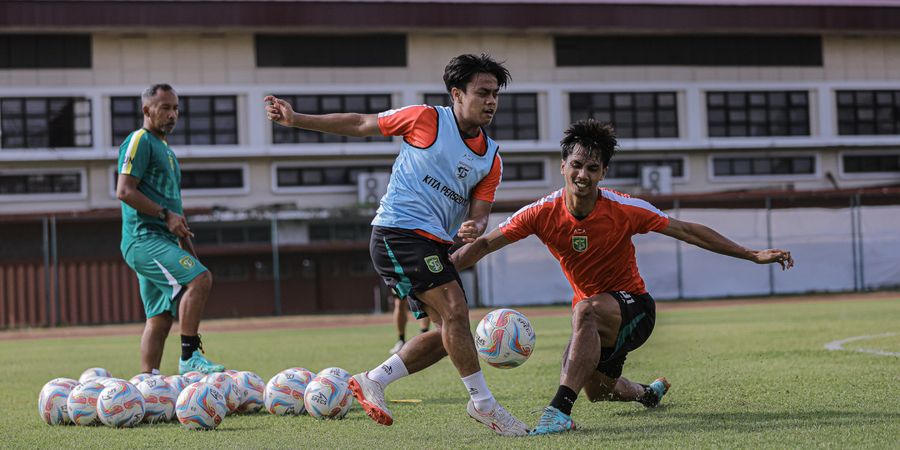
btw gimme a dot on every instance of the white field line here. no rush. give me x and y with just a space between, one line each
839 345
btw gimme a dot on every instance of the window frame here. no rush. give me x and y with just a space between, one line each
685 172
48 197
713 178
708 125
505 98
842 173
633 110
895 106
319 96
545 172
319 189
89 116
181 126
213 192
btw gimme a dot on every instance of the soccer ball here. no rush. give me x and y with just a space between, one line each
177 382
82 403
232 393
200 407
284 394
159 399
193 377
327 398
94 372
504 338
254 389
136 380
121 405
52 401
305 375
107 382
335 372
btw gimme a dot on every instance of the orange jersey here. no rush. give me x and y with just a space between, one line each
595 253
418 125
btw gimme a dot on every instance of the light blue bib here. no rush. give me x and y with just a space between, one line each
430 188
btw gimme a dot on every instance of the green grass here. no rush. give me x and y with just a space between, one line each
753 376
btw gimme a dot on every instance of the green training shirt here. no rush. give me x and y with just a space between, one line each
150 159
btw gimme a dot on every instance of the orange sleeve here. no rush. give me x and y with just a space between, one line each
416 123
487 187
645 217
521 224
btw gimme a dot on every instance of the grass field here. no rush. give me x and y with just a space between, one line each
748 376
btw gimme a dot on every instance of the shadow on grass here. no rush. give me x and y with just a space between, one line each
673 422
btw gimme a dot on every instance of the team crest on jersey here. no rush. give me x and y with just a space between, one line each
187 262
171 162
579 243
434 264
462 169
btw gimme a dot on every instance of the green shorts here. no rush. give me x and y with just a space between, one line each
163 270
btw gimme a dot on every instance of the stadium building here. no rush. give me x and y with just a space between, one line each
787 101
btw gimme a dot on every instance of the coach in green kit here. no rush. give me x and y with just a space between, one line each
156 240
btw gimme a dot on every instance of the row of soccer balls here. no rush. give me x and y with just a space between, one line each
198 401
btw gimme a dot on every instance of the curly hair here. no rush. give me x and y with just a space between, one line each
597 140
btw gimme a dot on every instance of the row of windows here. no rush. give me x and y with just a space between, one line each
620 169
390 50
60 122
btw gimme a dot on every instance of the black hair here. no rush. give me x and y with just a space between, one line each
153 89
597 140
461 69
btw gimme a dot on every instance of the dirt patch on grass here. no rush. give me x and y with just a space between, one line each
350 320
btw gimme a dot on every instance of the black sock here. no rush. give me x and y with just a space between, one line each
188 345
564 399
423 330
402 337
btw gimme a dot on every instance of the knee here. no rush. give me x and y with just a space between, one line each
457 312
203 282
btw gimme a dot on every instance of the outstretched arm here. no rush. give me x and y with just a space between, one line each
471 253
707 238
476 224
346 124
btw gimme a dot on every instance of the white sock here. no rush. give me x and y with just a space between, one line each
154 372
388 372
478 390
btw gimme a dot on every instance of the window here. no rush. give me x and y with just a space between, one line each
633 114
325 104
323 176
45 51
13 183
352 232
202 119
516 118
772 113
212 234
208 178
711 50
868 112
871 163
624 168
45 122
759 166
363 50
523 171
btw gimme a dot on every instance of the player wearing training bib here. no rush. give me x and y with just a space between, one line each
589 230
441 188
172 281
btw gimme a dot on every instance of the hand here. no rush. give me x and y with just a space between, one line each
278 110
178 225
469 231
774 255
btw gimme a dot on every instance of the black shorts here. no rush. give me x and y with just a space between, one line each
638 318
411 264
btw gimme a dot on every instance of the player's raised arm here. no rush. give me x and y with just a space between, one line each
346 124
709 239
471 253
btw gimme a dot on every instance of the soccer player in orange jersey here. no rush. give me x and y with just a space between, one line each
589 230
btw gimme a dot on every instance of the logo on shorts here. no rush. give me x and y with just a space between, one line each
187 262
434 264
579 243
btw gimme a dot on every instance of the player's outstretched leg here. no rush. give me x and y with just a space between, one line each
654 393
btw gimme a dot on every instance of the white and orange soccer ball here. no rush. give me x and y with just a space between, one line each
92 373
82 403
200 407
327 397
120 405
159 399
52 401
504 338
232 393
284 393
177 382
254 389
335 372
